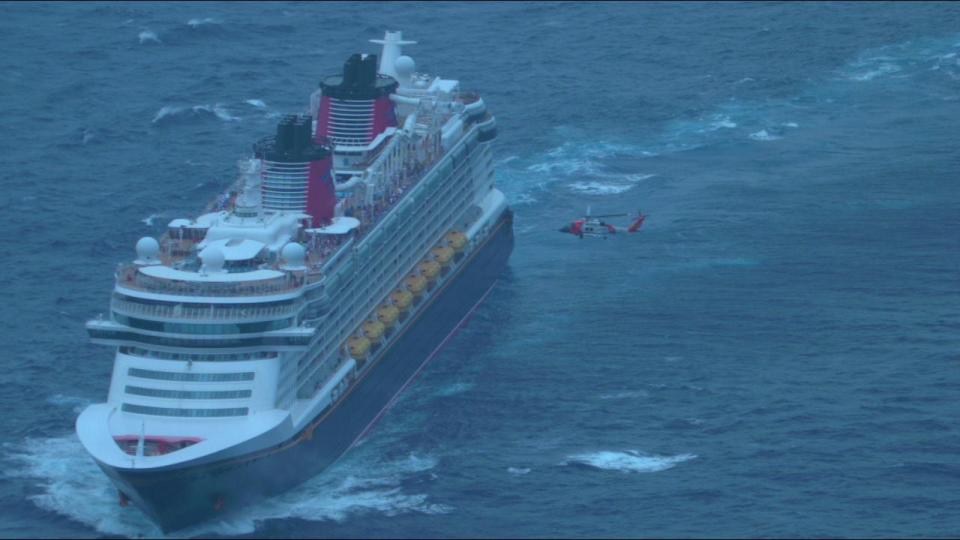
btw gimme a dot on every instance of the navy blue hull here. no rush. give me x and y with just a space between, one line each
178 498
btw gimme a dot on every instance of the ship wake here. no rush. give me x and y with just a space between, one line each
64 480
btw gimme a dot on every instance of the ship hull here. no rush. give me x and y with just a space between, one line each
179 497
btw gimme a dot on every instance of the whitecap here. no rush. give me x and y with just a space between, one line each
763 135
223 114
609 188
164 112
790 124
627 394
599 188
72 485
148 36
148 221
170 112
882 69
195 23
720 121
519 471
256 103
454 389
627 461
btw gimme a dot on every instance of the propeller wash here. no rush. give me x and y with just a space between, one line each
256 343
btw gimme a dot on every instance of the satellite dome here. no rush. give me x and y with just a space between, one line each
213 259
293 256
404 65
147 250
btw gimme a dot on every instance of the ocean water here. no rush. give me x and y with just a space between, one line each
776 354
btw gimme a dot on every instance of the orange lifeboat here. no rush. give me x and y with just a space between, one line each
401 299
387 314
442 255
429 269
457 240
416 284
358 347
373 330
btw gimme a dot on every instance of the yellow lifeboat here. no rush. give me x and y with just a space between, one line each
358 347
387 314
401 299
373 330
429 269
442 255
415 283
457 240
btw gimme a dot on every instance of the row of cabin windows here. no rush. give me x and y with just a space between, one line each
190 357
187 394
216 343
207 329
164 411
189 377
193 305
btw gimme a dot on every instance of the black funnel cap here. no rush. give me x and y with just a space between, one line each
293 142
360 80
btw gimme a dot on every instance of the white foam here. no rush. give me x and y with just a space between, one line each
790 124
519 471
454 389
165 111
148 36
628 461
148 221
882 69
599 188
627 394
256 103
195 23
217 110
72 485
720 121
77 404
763 135
609 188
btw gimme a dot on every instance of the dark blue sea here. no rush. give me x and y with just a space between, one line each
775 354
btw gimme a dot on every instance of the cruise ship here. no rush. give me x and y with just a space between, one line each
256 342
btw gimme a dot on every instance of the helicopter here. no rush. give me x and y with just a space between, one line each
596 227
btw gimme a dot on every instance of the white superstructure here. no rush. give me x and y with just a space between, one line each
240 326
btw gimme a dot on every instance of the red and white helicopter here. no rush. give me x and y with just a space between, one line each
596 227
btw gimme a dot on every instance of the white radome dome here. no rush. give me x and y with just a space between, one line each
147 249
213 259
404 65
293 255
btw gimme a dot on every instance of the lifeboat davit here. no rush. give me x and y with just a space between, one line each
415 284
401 299
457 240
443 255
429 270
358 347
387 314
373 330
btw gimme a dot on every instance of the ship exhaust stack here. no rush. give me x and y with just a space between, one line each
355 107
296 171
